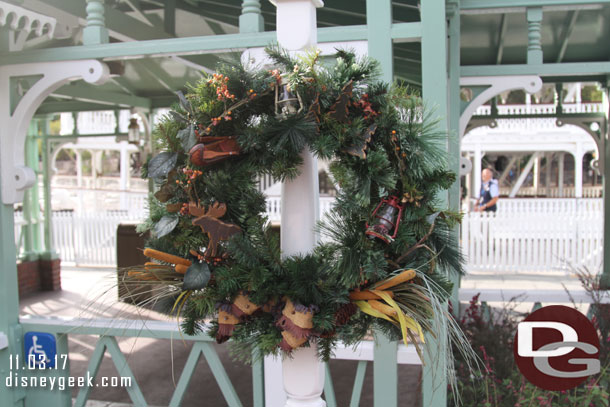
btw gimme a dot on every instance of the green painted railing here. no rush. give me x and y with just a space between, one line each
108 330
384 355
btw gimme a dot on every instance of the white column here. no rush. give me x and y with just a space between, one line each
124 175
578 170
303 373
93 169
560 174
549 165
478 156
536 174
79 169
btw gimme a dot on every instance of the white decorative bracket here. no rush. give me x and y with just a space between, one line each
497 85
15 117
22 22
296 23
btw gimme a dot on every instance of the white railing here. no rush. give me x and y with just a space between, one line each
553 192
541 108
537 236
89 238
515 206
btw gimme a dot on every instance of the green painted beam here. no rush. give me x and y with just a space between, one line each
551 69
500 51
88 93
194 45
73 106
379 25
572 17
406 32
466 5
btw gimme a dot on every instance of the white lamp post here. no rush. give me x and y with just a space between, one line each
303 374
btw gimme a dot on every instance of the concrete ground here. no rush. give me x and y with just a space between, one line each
157 364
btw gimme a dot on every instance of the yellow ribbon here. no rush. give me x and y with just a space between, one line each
405 321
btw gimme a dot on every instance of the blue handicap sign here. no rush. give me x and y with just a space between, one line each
40 349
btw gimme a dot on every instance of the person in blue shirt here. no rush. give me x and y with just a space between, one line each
490 193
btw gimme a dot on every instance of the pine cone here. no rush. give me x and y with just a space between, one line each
344 313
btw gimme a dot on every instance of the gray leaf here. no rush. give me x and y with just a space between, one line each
185 104
188 137
160 165
178 117
166 225
196 277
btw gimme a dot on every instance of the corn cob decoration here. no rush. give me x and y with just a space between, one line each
296 324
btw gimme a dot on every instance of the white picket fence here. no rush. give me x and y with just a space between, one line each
525 235
542 235
90 238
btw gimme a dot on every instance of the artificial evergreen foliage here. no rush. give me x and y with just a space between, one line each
380 141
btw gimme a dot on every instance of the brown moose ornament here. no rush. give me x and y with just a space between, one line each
210 223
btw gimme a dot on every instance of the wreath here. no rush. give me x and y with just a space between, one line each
387 246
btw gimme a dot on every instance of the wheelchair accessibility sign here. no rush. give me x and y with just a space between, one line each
40 349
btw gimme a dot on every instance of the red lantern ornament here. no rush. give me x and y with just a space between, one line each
387 219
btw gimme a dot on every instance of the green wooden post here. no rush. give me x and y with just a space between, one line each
379 33
251 20
385 372
9 306
31 206
95 32
379 25
434 89
455 192
534 35
49 251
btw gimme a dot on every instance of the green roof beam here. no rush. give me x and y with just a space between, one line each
466 5
135 6
572 17
572 69
503 26
193 45
91 94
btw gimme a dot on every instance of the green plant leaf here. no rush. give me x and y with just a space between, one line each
188 137
160 165
166 225
196 277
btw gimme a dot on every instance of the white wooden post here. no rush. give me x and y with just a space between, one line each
478 156
79 168
549 165
303 373
124 175
560 174
578 154
536 174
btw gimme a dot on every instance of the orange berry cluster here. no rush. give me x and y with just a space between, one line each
276 74
218 119
220 81
184 210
